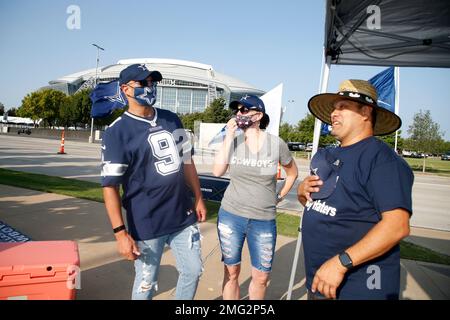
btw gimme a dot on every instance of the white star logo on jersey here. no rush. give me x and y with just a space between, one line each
314 171
144 68
245 97
117 97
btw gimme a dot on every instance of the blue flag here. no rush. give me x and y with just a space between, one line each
325 129
385 85
105 98
220 136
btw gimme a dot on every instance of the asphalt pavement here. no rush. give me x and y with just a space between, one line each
44 216
431 201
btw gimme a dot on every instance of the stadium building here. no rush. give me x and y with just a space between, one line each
187 86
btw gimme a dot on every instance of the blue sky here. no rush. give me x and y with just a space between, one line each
262 42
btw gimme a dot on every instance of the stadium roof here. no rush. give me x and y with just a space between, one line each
170 69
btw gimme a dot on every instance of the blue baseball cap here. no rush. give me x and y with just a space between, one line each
250 102
138 72
326 166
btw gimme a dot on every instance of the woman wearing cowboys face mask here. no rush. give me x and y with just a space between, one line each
249 204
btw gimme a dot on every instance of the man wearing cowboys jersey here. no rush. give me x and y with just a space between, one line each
147 152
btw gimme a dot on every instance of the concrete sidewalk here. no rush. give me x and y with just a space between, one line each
46 216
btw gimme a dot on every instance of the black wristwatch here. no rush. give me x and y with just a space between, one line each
279 198
119 228
345 260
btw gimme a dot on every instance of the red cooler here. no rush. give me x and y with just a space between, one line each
39 270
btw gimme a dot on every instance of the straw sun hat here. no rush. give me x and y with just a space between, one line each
322 105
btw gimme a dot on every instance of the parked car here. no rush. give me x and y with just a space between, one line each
406 153
24 130
414 154
446 156
296 146
309 147
330 145
418 155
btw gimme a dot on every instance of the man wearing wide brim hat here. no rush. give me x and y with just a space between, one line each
351 232
362 92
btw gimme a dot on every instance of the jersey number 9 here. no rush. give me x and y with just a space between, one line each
165 150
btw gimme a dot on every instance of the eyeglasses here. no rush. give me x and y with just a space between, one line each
147 83
243 110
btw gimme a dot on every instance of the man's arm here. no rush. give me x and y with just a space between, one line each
191 178
393 227
125 244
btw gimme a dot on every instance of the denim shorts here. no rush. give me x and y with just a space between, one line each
261 239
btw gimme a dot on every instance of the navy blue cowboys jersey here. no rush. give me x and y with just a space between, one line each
146 158
372 180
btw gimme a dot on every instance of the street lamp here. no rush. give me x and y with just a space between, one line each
284 108
91 137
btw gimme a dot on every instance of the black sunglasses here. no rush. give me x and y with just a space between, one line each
147 83
243 110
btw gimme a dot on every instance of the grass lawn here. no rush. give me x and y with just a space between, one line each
287 224
301 154
435 165
69 187
432 165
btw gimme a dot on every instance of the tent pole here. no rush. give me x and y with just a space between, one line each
397 100
323 89
295 262
317 125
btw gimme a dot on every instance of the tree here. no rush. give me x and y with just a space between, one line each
189 119
285 131
2 108
12 112
42 104
76 109
425 134
305 129
444 147
106 121
216 112
67 113
85 106
29 107
304 132
390 140
50 103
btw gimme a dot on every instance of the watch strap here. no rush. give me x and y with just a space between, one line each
119 228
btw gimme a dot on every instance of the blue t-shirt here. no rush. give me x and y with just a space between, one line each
373 179
146 157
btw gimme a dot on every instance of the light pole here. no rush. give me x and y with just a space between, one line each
91 137
283 111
